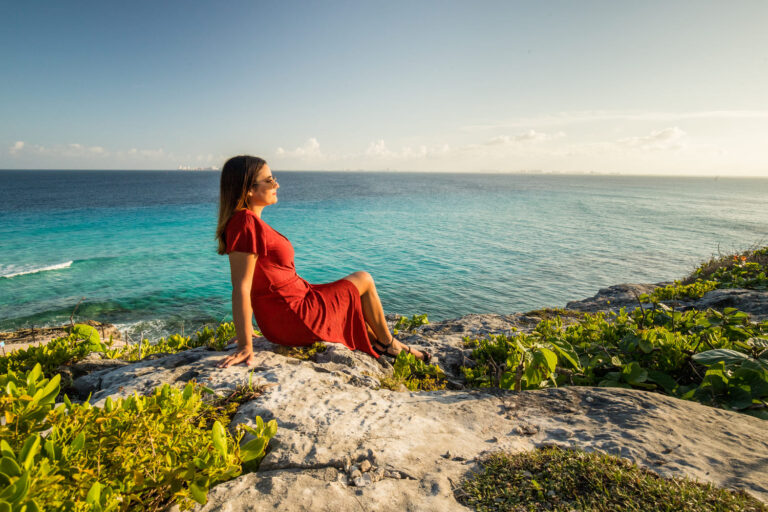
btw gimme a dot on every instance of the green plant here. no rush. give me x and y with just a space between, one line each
304 353
414 374
219 338
83 340
138 453
655 349
409 324
677 290
557 479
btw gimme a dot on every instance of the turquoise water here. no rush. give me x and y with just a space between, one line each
139 245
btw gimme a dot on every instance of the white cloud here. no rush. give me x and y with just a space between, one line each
668 139
591 116
528 136
310 150
17 147
144 153
379 150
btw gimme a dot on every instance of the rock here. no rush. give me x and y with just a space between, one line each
363 481
754 302
365 466
614 297
326 420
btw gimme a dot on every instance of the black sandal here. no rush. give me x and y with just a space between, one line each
376 345
383 350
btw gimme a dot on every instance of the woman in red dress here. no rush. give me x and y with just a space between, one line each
288 310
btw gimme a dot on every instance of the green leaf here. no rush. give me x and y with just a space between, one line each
87 333
663 380
78 442
199 494
5 449
645 345
633 373
549 358
94 494
727 356
219 438
18 490
32 506
29 450
739 397
35 374
756 380
253 449
9 467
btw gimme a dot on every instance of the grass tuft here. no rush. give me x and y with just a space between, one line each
553 478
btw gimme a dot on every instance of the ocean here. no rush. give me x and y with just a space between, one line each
137 248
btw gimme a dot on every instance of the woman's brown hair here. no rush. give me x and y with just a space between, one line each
237 176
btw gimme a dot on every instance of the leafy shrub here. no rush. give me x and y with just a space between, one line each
746 270
218 339
409 324
414 374
139 453
83 340
717 358
676 291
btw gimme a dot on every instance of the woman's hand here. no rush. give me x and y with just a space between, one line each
243 355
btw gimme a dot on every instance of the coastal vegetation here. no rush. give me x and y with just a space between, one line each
414 374
409 324
134 453
553 478
746 270
718 358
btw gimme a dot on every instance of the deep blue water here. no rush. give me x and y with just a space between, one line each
142 250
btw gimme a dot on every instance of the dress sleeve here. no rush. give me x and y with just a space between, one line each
245 234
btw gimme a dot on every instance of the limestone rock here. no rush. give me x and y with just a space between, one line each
329 420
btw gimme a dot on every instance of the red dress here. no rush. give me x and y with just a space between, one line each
289 310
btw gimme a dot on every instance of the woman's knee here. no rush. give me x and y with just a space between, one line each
363 280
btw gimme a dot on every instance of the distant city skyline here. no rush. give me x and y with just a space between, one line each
496 86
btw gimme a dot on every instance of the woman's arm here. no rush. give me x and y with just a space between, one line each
241 266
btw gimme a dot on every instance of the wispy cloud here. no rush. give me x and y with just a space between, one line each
528 136
591 116
310 150
667 139
17 147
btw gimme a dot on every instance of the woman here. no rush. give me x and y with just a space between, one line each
288 310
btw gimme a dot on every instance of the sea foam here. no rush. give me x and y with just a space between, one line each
21 270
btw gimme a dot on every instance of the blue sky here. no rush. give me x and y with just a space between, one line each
648 87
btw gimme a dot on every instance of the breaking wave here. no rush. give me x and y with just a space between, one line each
15 271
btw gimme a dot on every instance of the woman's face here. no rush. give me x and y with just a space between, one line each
264 190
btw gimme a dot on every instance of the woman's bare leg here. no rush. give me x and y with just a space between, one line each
373 312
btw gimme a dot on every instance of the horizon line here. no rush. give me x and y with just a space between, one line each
533 172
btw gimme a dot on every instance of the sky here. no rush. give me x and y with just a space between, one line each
652 87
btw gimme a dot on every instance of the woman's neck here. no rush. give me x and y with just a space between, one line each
256 210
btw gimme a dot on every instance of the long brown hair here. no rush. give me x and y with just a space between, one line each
237 176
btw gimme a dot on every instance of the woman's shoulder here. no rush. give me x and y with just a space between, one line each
244 217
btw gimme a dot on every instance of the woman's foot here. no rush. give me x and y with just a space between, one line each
394 347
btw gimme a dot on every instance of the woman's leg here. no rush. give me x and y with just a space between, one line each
373 312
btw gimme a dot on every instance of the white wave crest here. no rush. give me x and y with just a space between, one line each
13 271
